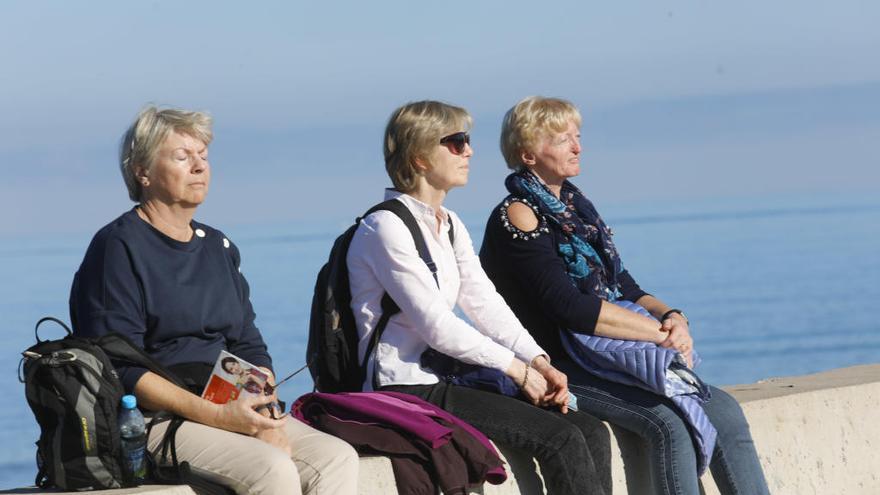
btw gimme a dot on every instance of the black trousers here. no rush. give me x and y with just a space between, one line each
573 450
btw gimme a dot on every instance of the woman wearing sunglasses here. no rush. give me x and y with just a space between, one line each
427 153
552 258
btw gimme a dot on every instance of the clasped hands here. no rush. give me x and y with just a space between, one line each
542 384
678 337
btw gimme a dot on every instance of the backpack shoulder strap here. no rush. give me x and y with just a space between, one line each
120 349
402 212
451 232
389 307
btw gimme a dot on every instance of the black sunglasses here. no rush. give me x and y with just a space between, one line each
457 141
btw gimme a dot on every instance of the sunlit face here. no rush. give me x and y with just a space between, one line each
557 155
180 173
444 169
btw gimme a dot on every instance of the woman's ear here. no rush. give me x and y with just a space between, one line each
527 157
420 165
141 174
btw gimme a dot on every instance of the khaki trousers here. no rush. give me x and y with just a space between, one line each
321 464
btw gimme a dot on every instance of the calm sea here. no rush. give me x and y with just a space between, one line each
772 287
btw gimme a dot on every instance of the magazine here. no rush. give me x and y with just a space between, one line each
232 377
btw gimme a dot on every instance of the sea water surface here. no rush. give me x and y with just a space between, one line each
772 286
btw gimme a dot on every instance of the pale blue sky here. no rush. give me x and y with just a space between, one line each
682 100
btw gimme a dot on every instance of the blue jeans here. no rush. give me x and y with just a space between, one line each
673 457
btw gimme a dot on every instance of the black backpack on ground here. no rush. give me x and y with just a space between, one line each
73 389
332 352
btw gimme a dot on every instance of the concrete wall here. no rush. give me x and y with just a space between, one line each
815 434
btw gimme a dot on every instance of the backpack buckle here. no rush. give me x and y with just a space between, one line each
59 357
31 355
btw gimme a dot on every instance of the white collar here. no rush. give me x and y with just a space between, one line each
417 206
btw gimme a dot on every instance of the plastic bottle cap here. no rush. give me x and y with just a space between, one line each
129 401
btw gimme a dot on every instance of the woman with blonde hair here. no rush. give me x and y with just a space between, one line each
551 256
427 153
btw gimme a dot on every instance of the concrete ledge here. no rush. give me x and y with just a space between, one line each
815 434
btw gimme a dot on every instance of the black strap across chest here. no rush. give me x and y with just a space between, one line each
389 307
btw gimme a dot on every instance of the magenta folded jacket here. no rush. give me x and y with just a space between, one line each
408 415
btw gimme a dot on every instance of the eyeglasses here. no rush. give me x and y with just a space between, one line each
276 409
456 142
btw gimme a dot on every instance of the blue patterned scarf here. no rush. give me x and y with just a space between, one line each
585 244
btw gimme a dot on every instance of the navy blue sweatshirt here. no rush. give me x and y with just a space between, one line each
529 273
182 302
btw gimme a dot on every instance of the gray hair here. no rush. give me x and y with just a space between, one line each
413 131
147 133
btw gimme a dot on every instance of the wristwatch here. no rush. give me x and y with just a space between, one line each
669 313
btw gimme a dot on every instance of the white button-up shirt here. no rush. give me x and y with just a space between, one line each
383 258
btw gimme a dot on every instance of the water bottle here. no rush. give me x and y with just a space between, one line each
132 431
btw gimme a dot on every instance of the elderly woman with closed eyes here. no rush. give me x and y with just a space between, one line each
173 286
427 154
552 257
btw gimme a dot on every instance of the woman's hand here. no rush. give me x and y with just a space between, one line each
557 383
240 416
534 388
678 337
275 436
531 383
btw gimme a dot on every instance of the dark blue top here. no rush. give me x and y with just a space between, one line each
531 276
183 302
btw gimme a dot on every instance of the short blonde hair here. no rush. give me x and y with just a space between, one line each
413 131
147 133
530 120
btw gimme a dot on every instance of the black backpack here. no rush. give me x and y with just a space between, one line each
332 352
74 392
73 389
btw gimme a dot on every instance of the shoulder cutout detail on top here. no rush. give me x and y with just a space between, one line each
522 219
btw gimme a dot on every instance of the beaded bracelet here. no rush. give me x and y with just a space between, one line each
525 376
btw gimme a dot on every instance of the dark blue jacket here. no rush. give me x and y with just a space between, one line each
183 302
528 272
